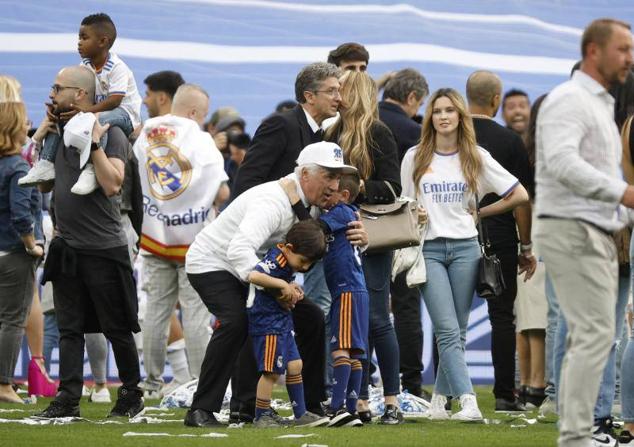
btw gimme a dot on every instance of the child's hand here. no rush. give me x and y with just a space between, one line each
299 292
290 188
79 108
45 127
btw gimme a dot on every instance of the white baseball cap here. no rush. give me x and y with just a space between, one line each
78 134
325 154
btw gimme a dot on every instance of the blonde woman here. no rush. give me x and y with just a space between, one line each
21 236
444 173
369 146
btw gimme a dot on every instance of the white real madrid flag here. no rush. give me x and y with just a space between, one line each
181 171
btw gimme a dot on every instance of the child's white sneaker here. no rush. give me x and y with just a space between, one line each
437 410
469 409
43 171
87 181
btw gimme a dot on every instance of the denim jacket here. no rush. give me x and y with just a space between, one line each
20 208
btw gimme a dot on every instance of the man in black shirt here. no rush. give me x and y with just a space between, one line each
88 262
404 93
484 90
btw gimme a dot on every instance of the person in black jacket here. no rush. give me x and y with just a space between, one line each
272 154
280 138
369 146
404 93
484 90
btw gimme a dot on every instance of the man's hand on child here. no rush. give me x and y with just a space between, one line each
98 130
356 233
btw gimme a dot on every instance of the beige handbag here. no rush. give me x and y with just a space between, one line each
391 226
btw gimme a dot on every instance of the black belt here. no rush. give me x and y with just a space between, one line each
593 225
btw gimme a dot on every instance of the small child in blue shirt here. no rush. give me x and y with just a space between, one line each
349 311
271 321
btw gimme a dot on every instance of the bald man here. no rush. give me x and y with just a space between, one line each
164 279
484 90
88 262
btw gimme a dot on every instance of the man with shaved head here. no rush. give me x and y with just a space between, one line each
484 90
164 277
88 260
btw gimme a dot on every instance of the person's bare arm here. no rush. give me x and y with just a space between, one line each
109 170
526 259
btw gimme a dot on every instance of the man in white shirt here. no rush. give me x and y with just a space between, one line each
579 192
182 178
226 251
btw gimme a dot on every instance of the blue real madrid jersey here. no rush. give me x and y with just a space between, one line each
342 263
266 316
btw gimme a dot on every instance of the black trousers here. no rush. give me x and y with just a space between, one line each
503 324
94 292
406 304
230 355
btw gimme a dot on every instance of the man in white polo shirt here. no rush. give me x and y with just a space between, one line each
227 250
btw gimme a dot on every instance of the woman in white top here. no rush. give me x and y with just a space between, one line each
442 173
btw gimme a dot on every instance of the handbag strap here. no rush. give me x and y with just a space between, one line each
483 235
391 189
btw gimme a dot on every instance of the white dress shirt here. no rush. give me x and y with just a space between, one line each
578 154
240 236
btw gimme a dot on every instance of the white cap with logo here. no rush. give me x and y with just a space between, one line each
325 154
78 134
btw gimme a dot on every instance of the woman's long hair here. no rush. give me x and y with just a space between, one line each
358 114
12 116
470 160
532 129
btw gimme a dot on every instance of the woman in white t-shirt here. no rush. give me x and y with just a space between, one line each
442 173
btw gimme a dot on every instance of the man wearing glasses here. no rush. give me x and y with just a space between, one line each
88 260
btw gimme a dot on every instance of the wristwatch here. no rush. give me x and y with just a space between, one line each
94 146
31 250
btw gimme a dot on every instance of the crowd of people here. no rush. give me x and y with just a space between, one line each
254 261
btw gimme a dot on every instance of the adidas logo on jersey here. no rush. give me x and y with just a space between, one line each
333 339
293 404
353 395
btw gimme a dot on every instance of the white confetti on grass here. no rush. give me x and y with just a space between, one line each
182 435
296 436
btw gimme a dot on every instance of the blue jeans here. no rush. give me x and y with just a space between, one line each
377 269
316 289
51 337
551 335
117 117
452 268
627 366
605 399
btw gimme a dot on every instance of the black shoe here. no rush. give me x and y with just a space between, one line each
626 438
237 417
129 403
603 433
534 397
339 417
365 416
201 418
392 416
508 406
58 409
317 409
521 394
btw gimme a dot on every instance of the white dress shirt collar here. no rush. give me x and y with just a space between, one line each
311 121
591 84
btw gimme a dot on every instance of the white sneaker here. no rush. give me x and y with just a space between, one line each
469 409
152 394
43 171
100 397
437 410
85 391
87 181
548 407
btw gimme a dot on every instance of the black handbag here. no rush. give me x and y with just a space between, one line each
490 283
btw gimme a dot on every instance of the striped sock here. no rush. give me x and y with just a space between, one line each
295 388
261 406
354 385
341 376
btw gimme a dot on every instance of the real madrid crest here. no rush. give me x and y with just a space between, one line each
168 171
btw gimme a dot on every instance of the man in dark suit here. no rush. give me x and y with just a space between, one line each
280 138
404 93
271 155
484 90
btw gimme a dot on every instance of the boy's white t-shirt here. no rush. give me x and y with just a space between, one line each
115 78
444 193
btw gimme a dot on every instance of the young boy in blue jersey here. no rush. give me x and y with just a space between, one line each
271 322
349 311
117 100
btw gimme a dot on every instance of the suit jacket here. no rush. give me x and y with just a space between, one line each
406 131
274 149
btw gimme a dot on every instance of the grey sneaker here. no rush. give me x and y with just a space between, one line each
270 420
309 419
